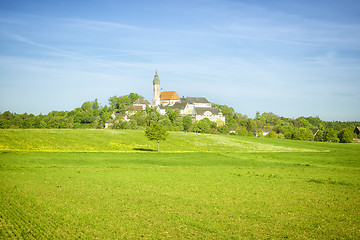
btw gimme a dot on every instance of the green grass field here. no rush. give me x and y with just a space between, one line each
110 184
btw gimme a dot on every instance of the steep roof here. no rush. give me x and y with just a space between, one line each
314 131
169 95
142 102
195 100
201 111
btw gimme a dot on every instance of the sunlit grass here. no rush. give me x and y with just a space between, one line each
69 140
198 187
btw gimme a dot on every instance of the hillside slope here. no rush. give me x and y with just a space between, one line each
70 140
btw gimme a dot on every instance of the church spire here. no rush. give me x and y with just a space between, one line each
156 78
156 90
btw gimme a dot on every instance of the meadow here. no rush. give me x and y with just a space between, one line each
111 184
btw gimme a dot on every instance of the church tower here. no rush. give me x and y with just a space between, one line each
156 91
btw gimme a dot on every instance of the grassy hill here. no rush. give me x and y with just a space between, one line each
70 140
107 184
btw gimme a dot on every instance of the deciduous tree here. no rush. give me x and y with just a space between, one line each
156 132
346 136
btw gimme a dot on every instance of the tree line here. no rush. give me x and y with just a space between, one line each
92 115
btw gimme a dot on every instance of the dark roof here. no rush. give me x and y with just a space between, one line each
142 102
177 105
194 100
201 111
314 131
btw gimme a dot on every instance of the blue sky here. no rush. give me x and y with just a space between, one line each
293 58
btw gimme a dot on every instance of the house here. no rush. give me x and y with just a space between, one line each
130 109
138 105
141 103
116 117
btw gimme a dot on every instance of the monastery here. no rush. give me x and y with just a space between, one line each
196 107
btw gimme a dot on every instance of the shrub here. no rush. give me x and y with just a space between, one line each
242 132
271 134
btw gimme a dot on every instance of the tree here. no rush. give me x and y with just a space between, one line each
187 122
156 132
302 134
331 135
203 126
173 114
96 107
346 136
302 122
223 129
250 125
319 137
140 118
257 115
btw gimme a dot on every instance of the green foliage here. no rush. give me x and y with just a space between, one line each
331 135
250 125
165 122
319 137
346 136
156 132
173 114
271 134
121 124
242 132
140 118
92 115
204 126
302 134
302 122
269 118
224 129
178 124
187 122
119 103
259 133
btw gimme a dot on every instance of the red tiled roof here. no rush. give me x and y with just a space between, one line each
169 95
